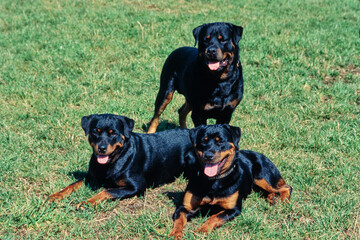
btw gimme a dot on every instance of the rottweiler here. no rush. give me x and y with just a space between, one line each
224 176
210 76
126 163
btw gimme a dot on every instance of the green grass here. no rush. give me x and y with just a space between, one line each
61 60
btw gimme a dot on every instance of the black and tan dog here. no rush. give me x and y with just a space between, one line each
210 76
224 177
126 163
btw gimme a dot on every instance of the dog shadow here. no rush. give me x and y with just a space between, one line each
163 125
78 175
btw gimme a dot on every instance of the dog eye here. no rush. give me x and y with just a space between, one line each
97 131
112 132
205 140
218 140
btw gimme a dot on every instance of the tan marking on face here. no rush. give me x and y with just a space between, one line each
111 131
220 37
230 58
230 154
219 156
110 148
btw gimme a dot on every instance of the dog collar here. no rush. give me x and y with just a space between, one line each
224 174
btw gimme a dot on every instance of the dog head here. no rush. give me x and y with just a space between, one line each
107 134
215 147
218 44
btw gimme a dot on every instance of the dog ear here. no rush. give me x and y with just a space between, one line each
196 33
128 125
193 134
85 123
235 133
237 32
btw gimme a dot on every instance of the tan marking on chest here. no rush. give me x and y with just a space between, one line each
226 203
209 106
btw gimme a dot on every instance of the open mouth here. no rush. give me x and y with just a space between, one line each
212 170
102 159
215 65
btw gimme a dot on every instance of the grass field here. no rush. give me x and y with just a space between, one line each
61 60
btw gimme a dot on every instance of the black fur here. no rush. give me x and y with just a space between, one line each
209 93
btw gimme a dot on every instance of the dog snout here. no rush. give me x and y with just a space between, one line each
209 155
211 51
102 148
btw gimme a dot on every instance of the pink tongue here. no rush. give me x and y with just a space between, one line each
102 159
211 169
214 66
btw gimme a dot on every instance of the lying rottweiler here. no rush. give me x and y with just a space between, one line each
224 177
210 76
126 163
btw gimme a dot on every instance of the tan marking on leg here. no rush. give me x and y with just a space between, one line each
98 198
282 189
191 202
185 109
66 191
155 120
213 222
178 226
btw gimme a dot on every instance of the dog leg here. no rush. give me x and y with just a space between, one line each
162 100
283 190
183 112
218 219
66 191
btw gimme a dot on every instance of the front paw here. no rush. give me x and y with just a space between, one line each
176 233
204 229
82 205
55 197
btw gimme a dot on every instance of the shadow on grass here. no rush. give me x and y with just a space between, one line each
78 175
205 210
163 125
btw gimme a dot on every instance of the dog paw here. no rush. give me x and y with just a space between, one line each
203 230
81 206
176 234
55 197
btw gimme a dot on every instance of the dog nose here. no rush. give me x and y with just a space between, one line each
211 51
102 149
208 155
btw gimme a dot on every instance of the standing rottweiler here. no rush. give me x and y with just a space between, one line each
126 163
224 176
210 76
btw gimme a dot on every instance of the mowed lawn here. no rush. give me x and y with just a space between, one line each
61 60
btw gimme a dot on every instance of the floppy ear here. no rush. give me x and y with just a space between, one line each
196 33
235 133
237 32
85 123
193 133
128 125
